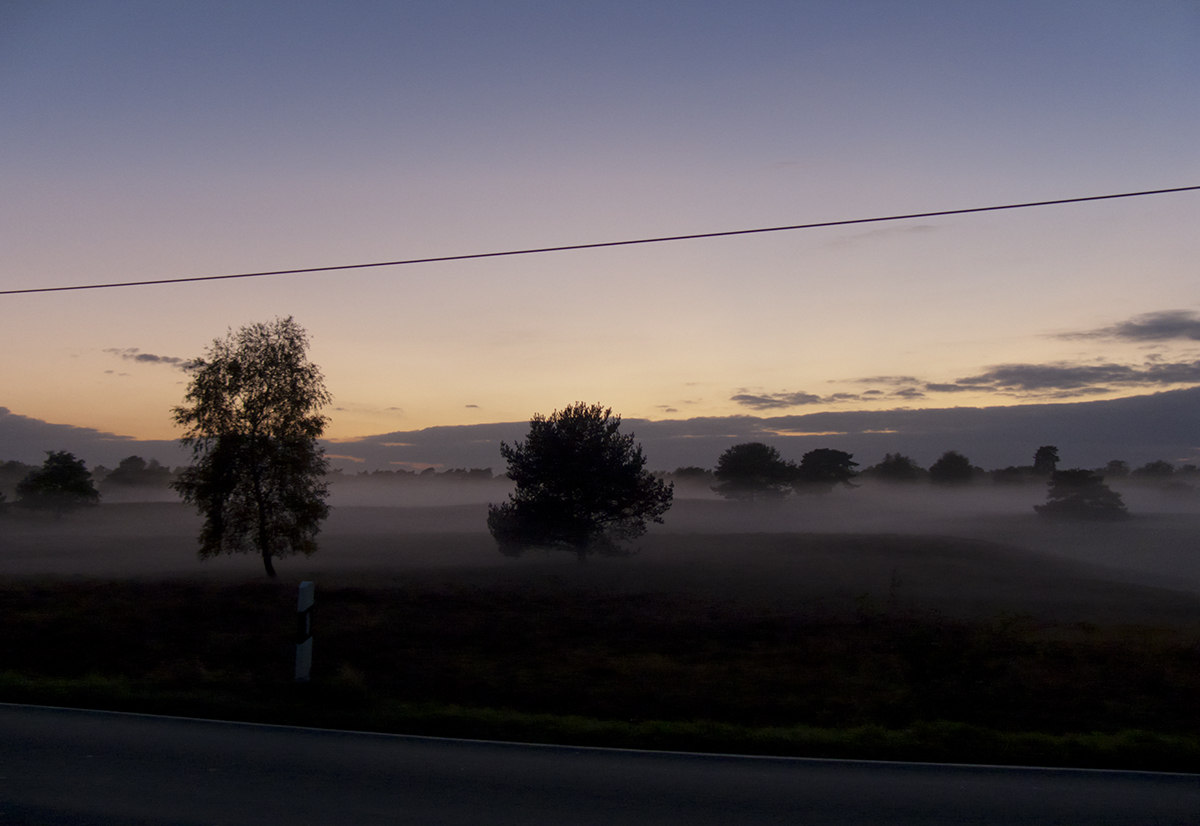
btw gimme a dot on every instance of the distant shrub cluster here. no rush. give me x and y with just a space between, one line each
757 472
61 484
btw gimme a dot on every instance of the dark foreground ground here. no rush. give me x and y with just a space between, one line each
891 644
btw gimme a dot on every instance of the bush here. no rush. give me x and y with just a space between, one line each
1081 494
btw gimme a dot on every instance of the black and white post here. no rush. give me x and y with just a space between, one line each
304 608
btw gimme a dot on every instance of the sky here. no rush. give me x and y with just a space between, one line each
158 139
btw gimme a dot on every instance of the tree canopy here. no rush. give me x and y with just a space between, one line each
753 471
1081 494
61 484
581 485
136 471
822 469
252 413
1158 469
895 467
951 469
1115 469
1045 460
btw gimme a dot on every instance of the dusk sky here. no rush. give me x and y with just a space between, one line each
158 139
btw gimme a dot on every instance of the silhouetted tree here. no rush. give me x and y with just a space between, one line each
1154 471
581 486
12 472
1045 461
895 467
951 469
753 470
253 416
134 470
1115 469
691 478
821 469
61 484
1012 475
1081 494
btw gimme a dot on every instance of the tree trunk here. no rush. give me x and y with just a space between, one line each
264 537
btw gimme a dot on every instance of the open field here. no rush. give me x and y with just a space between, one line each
923 637
966 555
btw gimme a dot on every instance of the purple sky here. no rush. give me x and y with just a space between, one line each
151 139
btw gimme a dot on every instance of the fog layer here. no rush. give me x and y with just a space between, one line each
978 549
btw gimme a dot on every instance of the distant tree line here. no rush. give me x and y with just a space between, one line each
750 471
754 471
757 470
134 471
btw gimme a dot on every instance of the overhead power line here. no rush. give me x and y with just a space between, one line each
598 245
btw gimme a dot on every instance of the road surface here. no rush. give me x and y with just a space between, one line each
62 766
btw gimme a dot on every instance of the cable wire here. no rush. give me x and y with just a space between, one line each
597 245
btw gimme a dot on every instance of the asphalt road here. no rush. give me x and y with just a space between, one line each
61 766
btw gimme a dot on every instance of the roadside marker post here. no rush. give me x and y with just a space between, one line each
304 608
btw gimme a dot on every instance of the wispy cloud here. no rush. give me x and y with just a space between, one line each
1080 379
933 387
894 388
135 355
1051 381
1166 325
877 234
775 401
355 459
889 380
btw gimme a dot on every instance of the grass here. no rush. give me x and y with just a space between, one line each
642 670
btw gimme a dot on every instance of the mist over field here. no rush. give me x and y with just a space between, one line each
976 550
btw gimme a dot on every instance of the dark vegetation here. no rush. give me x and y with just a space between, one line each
750 472
951 469
1045 460
896 468
757 472
581 485
252 418
753 471
136 472
642 670
823 469
60 485
1081 494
